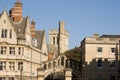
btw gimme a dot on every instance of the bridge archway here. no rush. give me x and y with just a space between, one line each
54 66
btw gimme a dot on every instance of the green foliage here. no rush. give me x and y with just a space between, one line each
73 54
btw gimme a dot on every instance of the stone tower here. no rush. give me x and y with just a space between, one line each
63 38
58 40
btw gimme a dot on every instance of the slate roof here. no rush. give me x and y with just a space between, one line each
20 28
39 36
110 36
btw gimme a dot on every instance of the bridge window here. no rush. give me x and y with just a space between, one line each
54 63
75 67
49 65
62 61
44 66
58 62
68 63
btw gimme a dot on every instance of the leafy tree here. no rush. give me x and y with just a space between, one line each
73 54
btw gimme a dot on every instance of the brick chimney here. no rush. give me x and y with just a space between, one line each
16 12
32 29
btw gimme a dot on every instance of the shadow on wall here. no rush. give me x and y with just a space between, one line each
101 69
56 76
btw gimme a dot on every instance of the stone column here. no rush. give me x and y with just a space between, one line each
40 74
68 74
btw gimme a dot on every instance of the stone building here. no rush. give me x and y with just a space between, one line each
100 57
22 48
58 40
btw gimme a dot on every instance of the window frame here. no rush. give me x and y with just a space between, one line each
10 36
99 49
11 78
112 77
53 40
11 66
112 64
4 33
2 65
19 50
12 50
3 49
112 50
20 66
2 78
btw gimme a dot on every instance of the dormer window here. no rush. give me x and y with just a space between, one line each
35 42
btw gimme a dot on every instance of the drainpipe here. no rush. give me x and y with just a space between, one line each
40 58
31 66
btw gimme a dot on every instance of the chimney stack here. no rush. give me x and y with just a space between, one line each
32 29
16 12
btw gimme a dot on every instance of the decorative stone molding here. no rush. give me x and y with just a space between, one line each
68 74
41 73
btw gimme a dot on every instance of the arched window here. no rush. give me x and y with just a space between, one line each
54 63
58 62
62 61
10 33
2 34
49 65
53 40
5 33
57 40
44 66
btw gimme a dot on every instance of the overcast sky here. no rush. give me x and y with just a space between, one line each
82 17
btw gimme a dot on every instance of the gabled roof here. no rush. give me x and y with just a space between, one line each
20 28
110 36
39 36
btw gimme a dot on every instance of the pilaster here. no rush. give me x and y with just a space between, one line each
68 74
41 74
